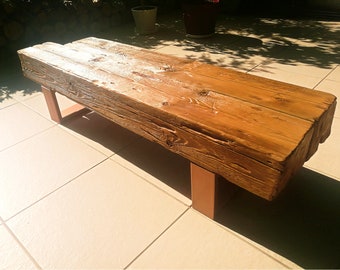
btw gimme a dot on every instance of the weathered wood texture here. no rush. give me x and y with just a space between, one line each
255 132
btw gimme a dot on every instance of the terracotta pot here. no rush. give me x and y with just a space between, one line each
145 19
200 19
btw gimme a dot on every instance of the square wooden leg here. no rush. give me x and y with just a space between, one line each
209 191
203 190
52 104
54 110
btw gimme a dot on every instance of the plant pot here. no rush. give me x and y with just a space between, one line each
145 19
200 19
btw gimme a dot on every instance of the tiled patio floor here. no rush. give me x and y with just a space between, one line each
91 195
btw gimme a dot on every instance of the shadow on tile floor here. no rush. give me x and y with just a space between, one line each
302 224
169 168
239 39
285 41
12 80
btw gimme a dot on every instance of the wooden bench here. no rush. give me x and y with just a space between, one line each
255 132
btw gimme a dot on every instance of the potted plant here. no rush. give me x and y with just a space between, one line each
145 18
200 17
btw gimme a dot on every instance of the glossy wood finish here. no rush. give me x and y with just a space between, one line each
255 132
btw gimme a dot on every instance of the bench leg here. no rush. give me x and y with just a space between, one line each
54 110
209 191
203 190
52 104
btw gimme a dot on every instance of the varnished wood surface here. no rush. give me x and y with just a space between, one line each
255 132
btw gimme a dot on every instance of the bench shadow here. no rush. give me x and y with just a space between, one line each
302 224
169 168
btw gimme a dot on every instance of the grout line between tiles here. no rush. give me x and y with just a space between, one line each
36 264
23 102
114 153
57 189
322 172
27 138
244 239
159 236
324 78
149 182
23 99
66 129
9 105
250 70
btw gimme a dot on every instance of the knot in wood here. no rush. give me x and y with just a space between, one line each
204 92
169 143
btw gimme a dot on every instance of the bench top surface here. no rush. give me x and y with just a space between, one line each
266 120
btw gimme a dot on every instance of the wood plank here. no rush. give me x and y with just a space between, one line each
291 99
200 95
255 138
258 130
137 117
311 105
233 82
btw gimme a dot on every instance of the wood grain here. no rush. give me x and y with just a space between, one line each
255 132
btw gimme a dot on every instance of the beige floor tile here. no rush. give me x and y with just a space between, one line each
38 103
301 224
91 128
195 242
306 76
22 95
11 254
100 133
19 123
228 59
327 159
159 166
334 75
17 85
183 51
14 87
32 169
6 101
332 87
303 69
102 220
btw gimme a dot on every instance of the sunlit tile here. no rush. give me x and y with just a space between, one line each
32 169
12 256
19 123
327 159
195 242
102 220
